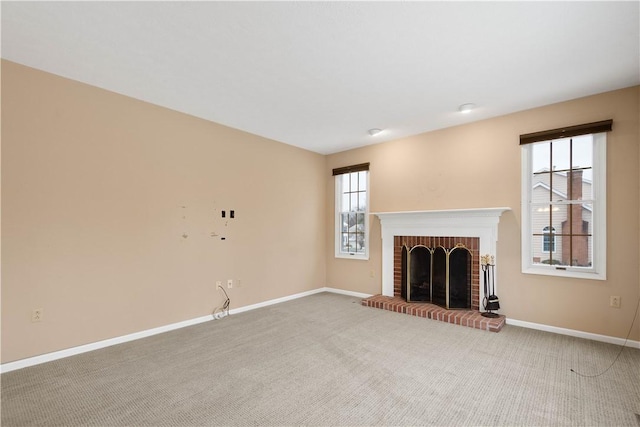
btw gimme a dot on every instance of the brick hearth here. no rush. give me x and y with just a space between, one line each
470 318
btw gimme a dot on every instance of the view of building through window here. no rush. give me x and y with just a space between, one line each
562 202
353 212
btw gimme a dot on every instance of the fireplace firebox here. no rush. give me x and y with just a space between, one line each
442 276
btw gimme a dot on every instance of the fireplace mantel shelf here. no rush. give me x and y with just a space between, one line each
477 222
445 213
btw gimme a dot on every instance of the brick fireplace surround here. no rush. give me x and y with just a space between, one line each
433 228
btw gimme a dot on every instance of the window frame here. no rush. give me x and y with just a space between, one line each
598 268
338 177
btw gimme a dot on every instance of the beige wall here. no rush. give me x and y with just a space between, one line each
93 185
478 165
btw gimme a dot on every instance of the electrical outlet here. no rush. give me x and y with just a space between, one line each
372 273
614 301
36 315
218 284
230 283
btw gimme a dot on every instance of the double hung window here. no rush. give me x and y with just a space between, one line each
564 201
352 211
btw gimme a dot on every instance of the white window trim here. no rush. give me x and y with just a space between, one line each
337 222
598 270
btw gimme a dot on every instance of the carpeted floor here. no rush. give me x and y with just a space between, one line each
327 360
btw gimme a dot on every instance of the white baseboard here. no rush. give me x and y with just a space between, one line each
349 293
295 296
48 357
36 360
275 301
574 333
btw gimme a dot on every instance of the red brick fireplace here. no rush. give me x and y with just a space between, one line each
476 229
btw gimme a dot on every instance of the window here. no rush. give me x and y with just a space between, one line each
564 201
352 211
548 239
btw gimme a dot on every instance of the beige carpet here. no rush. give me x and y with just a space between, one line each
327 360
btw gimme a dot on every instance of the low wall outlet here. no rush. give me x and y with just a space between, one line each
218 284
230 283
614 301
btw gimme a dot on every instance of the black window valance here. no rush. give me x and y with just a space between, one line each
585 129
353 168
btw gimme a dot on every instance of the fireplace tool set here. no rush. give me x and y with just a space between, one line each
490 302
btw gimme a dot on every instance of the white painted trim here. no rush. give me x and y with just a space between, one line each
574 333
598 271
349 293
479 222
337 234
49 357
275 301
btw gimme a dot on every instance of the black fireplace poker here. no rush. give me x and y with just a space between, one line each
490 301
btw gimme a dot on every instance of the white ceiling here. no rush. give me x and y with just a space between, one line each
318 75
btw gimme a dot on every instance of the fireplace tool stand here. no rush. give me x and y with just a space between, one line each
490 301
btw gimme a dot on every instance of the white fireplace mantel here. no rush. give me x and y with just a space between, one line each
481 223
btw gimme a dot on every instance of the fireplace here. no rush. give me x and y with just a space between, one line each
431 272
411 231
479 228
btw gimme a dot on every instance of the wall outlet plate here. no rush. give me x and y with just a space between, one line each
614 301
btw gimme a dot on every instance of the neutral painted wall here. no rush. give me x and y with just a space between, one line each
99 189
97 192
478 165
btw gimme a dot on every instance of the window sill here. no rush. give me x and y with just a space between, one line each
569 272
361 257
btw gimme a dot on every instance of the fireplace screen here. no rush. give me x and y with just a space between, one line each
438 275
